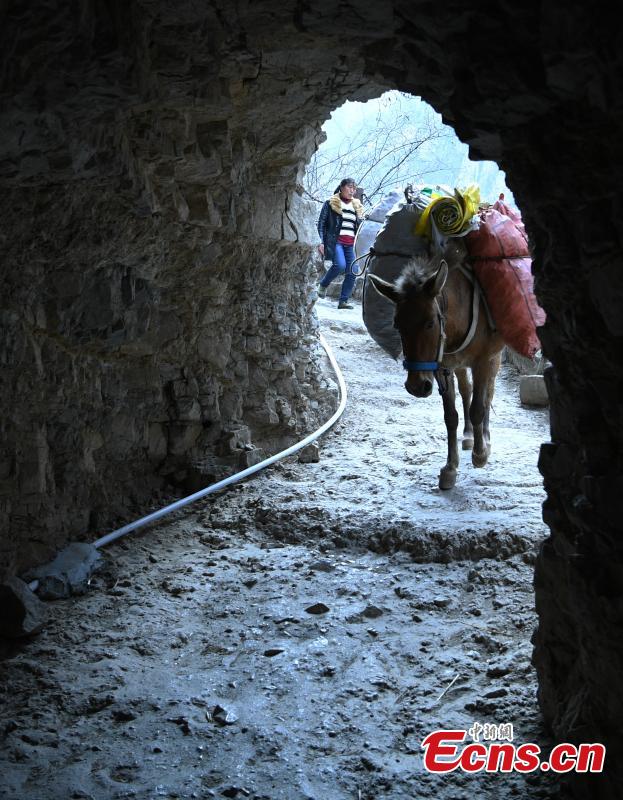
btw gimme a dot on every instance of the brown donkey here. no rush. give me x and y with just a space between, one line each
444 326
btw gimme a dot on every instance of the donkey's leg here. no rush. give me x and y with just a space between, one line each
447 476
495 366
477 409
465 390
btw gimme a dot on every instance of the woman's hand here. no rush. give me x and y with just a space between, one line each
321 249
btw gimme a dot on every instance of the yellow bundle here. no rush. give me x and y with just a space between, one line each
451 215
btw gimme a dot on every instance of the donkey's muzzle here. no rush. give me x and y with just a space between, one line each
421 387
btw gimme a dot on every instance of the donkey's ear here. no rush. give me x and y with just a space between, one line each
385 288
435 284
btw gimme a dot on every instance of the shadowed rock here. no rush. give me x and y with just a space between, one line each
23 614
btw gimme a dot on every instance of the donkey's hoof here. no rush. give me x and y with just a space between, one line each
467 443
480 459
447 478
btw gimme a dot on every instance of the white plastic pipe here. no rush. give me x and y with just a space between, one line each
239 476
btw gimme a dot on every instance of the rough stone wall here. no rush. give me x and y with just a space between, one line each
156 314
150 143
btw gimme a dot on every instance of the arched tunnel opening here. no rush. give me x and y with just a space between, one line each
159 327
390 142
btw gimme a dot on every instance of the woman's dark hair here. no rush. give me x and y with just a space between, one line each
345 182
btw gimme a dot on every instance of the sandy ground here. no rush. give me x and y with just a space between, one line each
298 636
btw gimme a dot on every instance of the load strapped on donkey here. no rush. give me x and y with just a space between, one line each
458 275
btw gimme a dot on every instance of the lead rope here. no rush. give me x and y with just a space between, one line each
373 254
368 257
442 374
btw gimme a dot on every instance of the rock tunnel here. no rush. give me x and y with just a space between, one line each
156 313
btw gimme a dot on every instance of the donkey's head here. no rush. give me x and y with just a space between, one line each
418 319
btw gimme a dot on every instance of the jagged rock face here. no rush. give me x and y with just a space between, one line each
156 267
157 310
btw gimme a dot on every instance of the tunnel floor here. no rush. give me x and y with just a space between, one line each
300 634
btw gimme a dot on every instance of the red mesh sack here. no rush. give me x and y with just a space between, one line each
501 206
499 253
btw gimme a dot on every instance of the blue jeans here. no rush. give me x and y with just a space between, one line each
342 263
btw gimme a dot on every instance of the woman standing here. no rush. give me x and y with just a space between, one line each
339 219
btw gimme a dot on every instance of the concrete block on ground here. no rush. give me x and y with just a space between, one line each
68 573
532 391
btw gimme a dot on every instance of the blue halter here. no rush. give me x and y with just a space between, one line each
430 366
420 366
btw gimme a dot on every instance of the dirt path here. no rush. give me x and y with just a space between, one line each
300 634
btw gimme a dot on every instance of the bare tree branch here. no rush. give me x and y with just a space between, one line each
382 150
